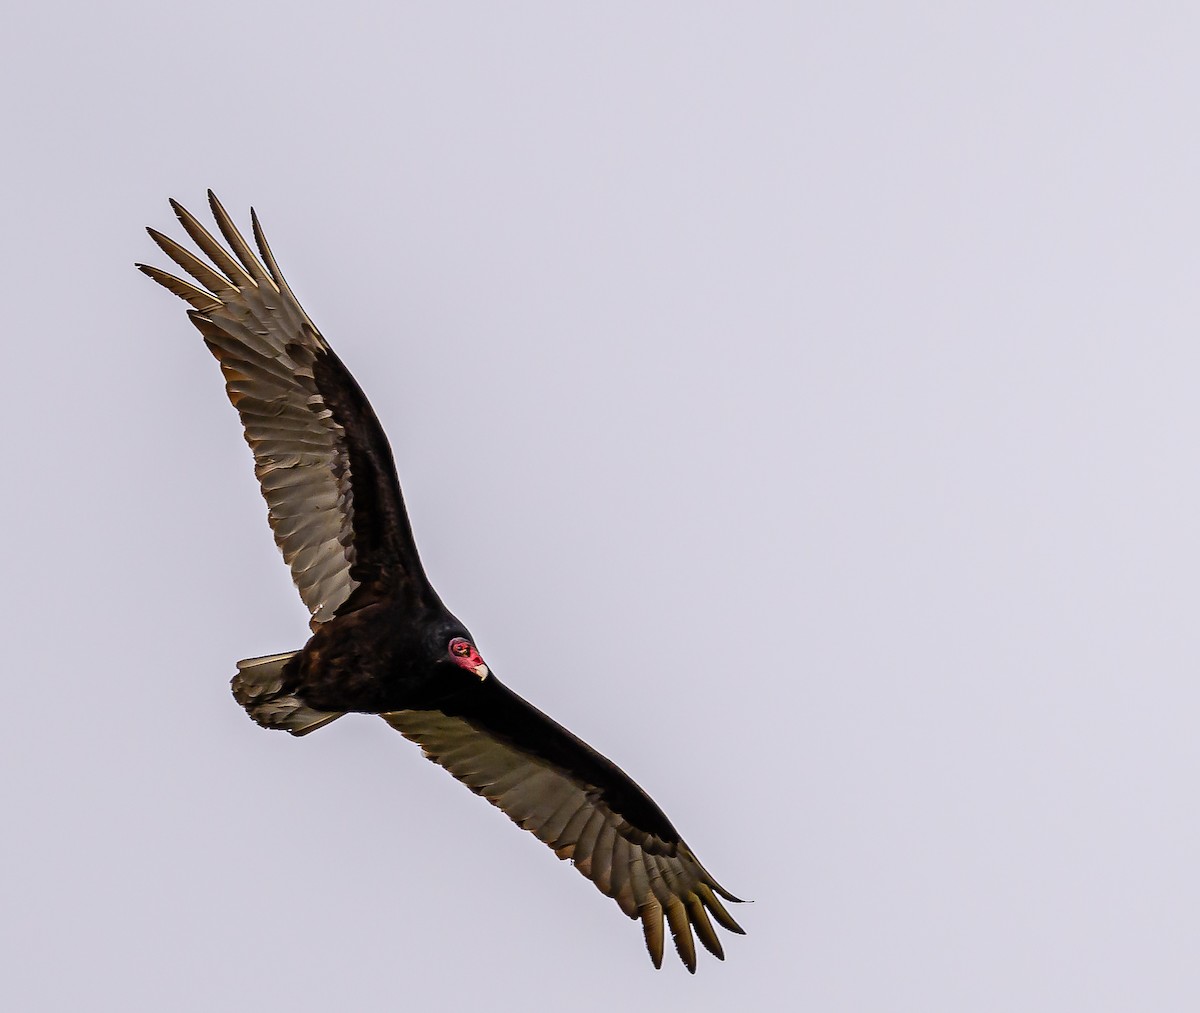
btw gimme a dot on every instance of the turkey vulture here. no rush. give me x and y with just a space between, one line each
382 641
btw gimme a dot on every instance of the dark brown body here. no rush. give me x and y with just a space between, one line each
377 660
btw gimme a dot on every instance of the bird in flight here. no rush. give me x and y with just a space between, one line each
382 641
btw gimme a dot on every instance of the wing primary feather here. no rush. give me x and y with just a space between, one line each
194 266
194 297
681 931
722 891
639 881
652 925
234 238
268 257
658 885
723 917
620 882
703 927
673 875
215 251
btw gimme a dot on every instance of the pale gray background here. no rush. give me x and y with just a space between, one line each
798 401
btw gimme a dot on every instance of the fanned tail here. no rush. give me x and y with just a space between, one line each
259 687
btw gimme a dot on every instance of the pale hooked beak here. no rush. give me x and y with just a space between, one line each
465 655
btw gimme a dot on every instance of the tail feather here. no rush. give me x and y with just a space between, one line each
259 687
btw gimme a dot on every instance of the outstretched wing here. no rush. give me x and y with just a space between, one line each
581 804
321 457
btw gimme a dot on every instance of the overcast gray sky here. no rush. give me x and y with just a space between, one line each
797 401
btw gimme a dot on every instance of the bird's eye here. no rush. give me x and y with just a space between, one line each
460 647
